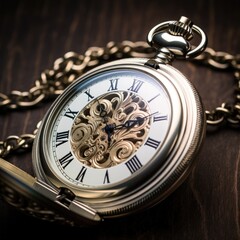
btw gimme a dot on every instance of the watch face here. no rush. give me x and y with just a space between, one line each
108 128
119 135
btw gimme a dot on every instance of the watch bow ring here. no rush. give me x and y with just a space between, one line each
176 37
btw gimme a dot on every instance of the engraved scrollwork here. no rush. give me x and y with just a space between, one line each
89 140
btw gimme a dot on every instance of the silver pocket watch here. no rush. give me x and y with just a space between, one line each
121 137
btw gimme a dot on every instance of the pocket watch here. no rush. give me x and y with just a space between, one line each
118 140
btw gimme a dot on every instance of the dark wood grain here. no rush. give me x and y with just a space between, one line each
35 33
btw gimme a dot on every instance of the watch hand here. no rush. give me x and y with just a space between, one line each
132 122
109 128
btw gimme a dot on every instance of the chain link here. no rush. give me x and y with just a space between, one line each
15 143
226 113
66 69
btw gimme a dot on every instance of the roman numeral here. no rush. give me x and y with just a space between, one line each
62 137
159 118
81 174
106 178
136 85
64 161
133 164
152 143
71 114
113 84
89 95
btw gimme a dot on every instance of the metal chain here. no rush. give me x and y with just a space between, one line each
225 114
69 67
66 69
15 143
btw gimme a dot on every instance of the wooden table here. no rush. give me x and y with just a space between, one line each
35 33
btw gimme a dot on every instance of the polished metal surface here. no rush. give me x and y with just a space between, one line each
174 37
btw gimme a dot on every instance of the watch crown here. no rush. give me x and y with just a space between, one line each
183 28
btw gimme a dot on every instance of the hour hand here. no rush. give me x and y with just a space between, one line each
109 128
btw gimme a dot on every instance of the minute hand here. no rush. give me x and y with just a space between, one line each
131 123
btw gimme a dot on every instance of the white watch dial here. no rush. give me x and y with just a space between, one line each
109 129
